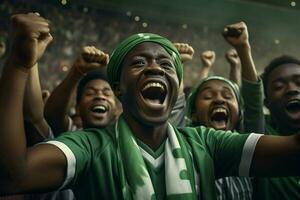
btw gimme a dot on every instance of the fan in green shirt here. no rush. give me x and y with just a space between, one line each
281 79
144 72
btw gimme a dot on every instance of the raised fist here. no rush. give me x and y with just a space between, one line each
185 50
90 58
30 37
236 34
233 57
208 58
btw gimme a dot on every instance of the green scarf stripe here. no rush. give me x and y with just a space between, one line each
134 177
135 169
186 154
118 55
192 97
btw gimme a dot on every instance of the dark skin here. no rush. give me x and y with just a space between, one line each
97 93
213 95
148 63
283 97
59 103
42 167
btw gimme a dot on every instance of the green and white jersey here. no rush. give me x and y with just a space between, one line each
230 188
276 188
93 170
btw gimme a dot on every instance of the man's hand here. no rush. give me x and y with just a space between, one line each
236 34
31 35
90 58
208 58
185 50
233 57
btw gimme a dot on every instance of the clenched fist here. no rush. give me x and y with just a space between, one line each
30 37
208 58
90 58
236 34
185 50
233 57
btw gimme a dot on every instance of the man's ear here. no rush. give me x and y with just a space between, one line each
117 90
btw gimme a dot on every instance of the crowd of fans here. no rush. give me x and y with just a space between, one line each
137 130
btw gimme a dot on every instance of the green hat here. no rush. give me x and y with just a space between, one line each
118 55
192 97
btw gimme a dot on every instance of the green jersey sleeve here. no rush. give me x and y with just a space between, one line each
78 148
231 152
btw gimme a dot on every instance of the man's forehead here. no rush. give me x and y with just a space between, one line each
284 71
211 84
146 48
97 83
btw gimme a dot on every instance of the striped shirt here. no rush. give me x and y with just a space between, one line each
229 188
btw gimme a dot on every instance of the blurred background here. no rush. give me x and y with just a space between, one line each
274 28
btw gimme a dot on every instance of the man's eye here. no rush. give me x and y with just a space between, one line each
228 96
139 63
207 96
108 93
166 64
297 81
278 86
89 93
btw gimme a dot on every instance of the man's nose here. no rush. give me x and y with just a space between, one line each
154 69
292 89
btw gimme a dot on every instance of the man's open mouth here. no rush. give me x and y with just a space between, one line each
219 118
154 93
293 106
99 109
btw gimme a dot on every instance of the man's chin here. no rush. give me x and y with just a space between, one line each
98 124
152 120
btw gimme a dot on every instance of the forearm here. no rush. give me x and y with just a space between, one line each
235 74
204 71
34 106
252 93
12 134
59 102
248 67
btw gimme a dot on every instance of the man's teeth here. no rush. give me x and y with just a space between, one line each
293 102
99 108
219 110
153 84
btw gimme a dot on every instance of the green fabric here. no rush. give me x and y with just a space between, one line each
253 96
118 55
156 171
97 175
192 97
136 181
276 188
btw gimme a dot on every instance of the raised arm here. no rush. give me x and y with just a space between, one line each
235 66
208 59
237 35
59 103
251 88
37 128
21 169
186 54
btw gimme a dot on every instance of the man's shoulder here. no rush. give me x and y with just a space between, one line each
93 138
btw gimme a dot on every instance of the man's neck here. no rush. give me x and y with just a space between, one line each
153 136
285 128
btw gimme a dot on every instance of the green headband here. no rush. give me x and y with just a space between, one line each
192 97
118 55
